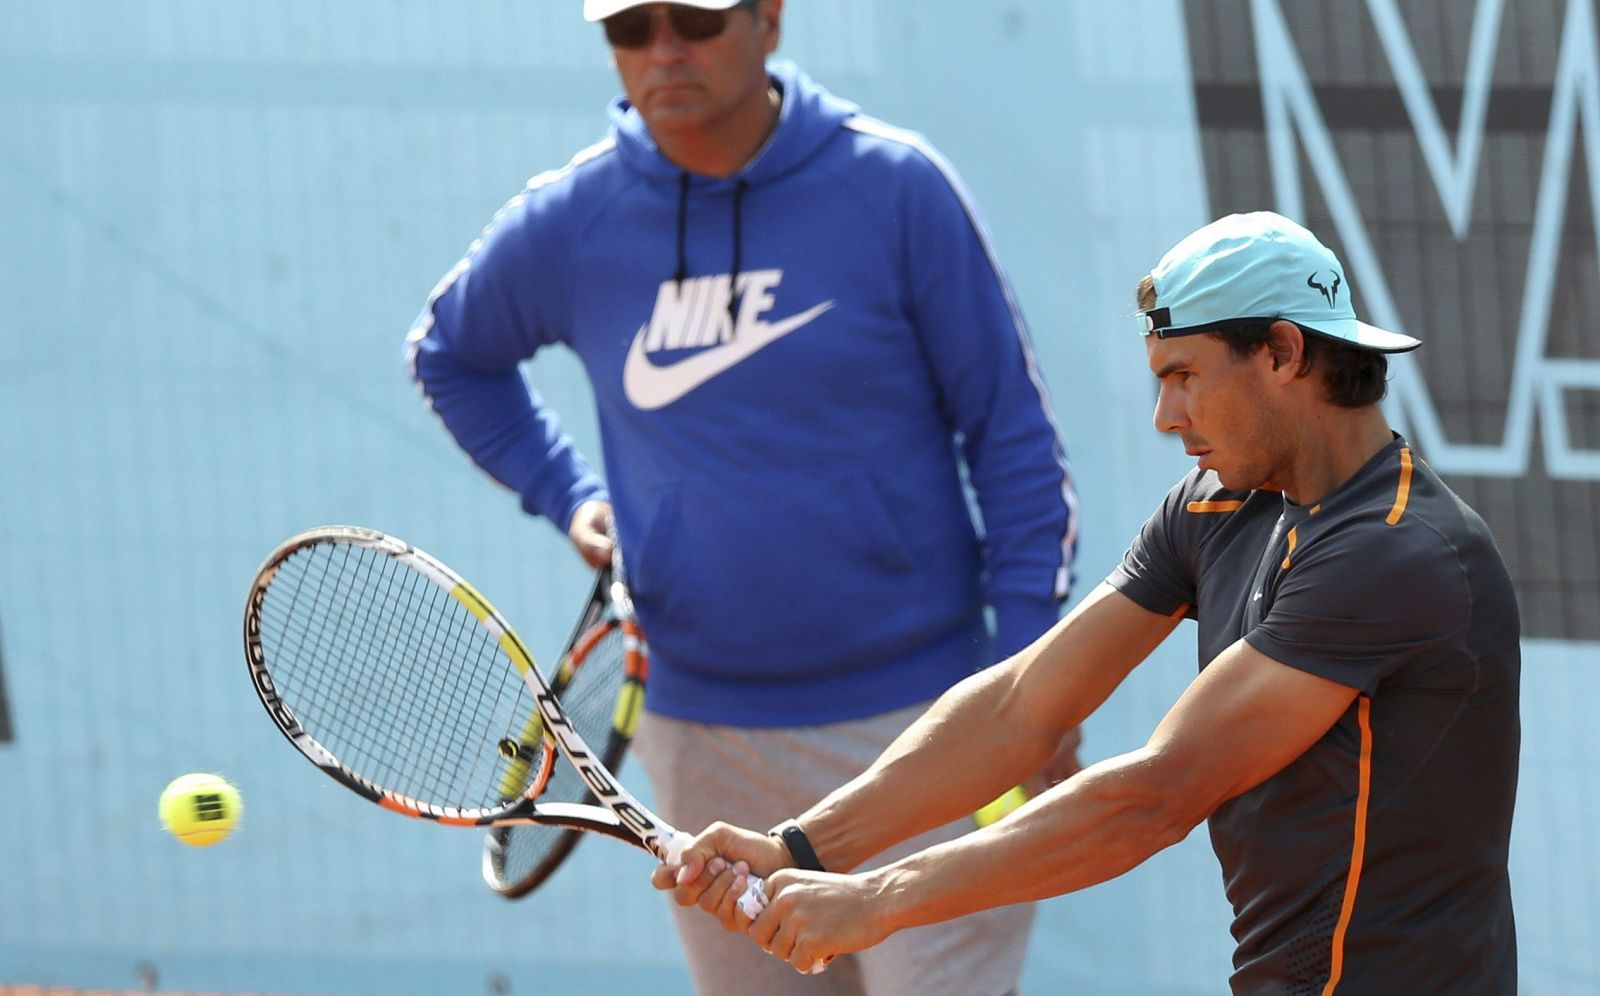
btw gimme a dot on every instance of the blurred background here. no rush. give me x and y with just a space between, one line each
218 219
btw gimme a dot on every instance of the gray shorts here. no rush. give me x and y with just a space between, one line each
757 777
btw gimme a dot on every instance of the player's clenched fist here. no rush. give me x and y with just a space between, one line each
714 871
812 917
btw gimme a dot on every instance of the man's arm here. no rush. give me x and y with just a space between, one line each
982 736
1245 718
483 319
979 357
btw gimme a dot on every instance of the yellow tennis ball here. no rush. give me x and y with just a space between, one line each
1001 807
200 809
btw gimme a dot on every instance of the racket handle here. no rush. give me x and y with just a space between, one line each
672 851
754 899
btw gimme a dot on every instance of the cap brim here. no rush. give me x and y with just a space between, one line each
1381 340
599 10
1357 333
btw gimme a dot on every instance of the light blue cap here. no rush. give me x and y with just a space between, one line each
1258 265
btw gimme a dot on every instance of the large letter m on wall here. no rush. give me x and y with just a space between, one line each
1538 381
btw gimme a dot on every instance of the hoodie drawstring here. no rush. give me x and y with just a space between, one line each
738 243
683 224
738 248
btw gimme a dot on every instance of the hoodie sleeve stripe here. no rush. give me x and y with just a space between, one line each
878 129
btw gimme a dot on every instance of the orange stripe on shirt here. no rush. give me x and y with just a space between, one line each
1402 493
1214 506
1294 541
1358 850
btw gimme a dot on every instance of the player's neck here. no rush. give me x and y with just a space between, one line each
721 148
1334 445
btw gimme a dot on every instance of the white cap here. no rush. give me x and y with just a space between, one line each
599 10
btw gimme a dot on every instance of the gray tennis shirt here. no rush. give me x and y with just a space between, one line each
1377 859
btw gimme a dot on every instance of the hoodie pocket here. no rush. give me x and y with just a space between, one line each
743 578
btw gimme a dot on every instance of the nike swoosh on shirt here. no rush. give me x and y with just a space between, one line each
650 386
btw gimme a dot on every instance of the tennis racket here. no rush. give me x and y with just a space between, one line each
600 683
403 684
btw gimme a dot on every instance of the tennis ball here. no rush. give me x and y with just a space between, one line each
200 809
1001 807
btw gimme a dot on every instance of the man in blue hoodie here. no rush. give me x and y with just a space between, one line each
800 345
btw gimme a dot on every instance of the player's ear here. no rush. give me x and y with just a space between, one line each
1286 346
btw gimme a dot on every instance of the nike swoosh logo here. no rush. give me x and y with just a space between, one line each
650 387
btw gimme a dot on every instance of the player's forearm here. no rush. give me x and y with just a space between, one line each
988 732
1107 820
928 777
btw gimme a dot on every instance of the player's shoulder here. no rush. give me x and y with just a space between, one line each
1401 525
1399 497
1199 508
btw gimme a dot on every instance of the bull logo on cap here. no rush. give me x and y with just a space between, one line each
1329 291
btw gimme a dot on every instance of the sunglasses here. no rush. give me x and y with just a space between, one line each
636 26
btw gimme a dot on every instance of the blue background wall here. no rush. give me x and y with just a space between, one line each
217 220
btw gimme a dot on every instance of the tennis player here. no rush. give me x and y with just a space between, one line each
800 344
1353 734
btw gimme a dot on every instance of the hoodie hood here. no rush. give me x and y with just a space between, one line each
808 118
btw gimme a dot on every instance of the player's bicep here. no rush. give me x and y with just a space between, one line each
1244 719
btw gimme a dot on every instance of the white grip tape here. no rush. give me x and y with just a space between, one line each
754 899
673 853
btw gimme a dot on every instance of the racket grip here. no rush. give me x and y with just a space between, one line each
754 900
672 851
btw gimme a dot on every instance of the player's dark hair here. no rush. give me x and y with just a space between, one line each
1352 377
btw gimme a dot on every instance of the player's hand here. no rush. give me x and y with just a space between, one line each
590 532
813 917
715 869
1059 768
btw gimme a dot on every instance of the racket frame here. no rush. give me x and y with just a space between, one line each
623 816
626 817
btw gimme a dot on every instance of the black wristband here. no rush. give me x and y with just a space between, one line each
799 845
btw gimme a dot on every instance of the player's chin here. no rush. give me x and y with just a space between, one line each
1235 479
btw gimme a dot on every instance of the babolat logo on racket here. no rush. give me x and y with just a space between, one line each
594 774
257 659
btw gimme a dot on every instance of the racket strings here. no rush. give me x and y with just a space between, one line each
363 639
396 678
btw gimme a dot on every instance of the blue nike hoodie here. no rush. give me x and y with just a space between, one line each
786 364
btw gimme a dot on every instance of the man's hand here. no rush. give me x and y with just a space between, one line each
590 532
715 869
813 917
